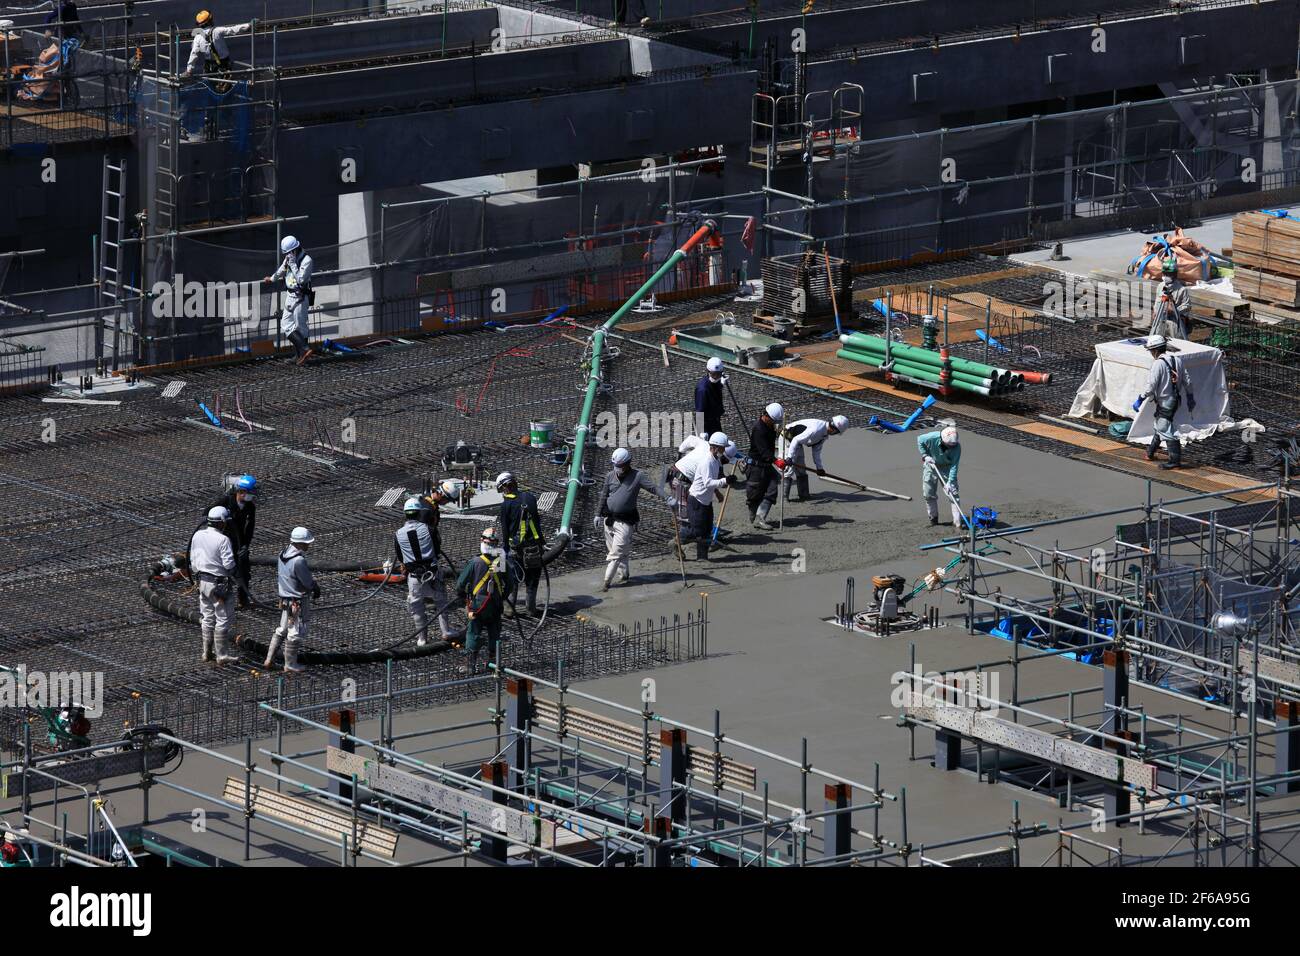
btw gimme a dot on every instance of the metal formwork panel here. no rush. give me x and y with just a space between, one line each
1026 740
519 826
1090 760
82 770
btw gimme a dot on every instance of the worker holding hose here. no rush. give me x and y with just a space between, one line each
418 545
800 436
763 478
617 513
240 500
297 589
483 585
521 534
212 565
940 455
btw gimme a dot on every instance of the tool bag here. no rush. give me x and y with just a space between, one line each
530 556
1195 264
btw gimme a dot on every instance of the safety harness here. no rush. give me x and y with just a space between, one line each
531 551
490 575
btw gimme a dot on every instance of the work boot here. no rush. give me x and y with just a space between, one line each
291 664
1175 451
305 355
270 651
206 657
760 518
223 651
531 606
1153 447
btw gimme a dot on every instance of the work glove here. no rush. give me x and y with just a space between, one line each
1137 402
609 523
780 463
734 481
1191 402
388 566
821 472
595 522
927 460
315 592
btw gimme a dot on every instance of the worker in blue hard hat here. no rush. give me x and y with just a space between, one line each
296 268
240 500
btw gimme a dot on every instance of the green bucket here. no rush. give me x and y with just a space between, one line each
539 433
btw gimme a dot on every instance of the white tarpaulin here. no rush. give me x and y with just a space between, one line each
1119 375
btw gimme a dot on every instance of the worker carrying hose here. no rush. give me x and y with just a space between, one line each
706 486
240 500
212 565
940 455
298 588
418 544
1173 303
708 397
800 436
1167 382
209 52
763 478
296 269
521 534
483 585
617 513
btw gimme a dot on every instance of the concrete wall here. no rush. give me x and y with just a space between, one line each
181 12
518 70
647 54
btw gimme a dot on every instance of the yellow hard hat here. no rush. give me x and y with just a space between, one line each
204 18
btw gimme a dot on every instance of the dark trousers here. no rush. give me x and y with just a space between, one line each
299 340
699 529
760 485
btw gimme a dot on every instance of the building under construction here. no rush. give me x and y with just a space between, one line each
531 225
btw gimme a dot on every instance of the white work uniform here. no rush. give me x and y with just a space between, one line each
706 478
1169 318
297 273
424 578
813 435
1167 393
212 40
211 560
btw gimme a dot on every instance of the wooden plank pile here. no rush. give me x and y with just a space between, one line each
1266 256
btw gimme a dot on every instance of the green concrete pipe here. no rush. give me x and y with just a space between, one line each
593 380
925 376
877 360
872 344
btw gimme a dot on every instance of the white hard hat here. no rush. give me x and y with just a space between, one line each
489 536
451 487
840 422
949 435
288 244
714 364
621 456
775 411
504 478
301 536
219 513
1156 342
412 504
718 439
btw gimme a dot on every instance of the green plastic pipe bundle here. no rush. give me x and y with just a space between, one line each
878 359
927 376
593 380
872 345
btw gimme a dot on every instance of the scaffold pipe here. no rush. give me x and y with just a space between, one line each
593 380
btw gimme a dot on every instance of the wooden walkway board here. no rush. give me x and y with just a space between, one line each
1069 436
806 376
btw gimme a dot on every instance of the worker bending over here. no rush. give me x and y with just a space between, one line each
763 479
297 589
940 455
1173 305
240 500
800 436
483 585
617 511
418 545
706 485
1166 383
521 534
708 397
296 269
682 472
212 565
208 50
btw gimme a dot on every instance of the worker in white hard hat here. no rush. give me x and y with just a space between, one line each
298 588
708 397
682 472
706 487
484 585
418 546
521 534
807 433
212 565
1167 383
616 512
940 455
296 268
762 479
209 52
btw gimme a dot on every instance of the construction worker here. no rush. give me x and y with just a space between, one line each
1166 383
521 534
418 546
296 269
706 486
800 436
212 565
763 479
682 472
708 397
296 586
617 512
1173 305
940 455
208 50
240 500
483 585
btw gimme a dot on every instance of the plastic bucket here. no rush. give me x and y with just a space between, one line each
539 433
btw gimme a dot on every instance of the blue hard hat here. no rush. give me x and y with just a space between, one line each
246 483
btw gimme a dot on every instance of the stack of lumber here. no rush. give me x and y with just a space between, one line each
1266 254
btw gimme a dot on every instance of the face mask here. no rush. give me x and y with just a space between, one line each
488 550
620 470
